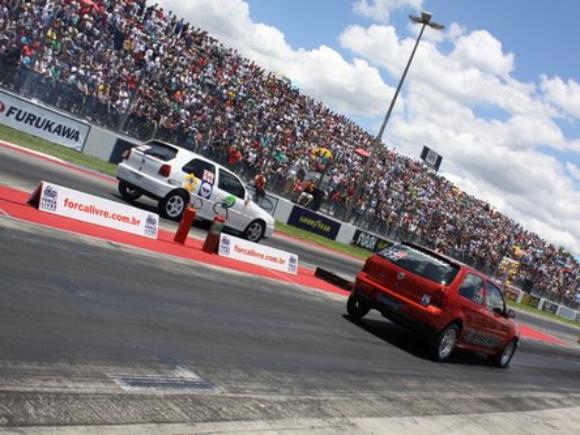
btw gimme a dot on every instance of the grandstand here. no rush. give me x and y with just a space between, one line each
132 67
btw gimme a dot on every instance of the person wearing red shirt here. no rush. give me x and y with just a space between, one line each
234 156
260 185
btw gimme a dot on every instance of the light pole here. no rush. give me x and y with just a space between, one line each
424 20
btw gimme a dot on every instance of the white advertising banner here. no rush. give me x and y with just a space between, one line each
88 208
21 115
253 253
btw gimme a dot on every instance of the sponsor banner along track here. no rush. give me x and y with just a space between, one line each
73 204
261 255
42 122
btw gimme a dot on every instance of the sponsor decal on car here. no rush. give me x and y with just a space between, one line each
205 190
480 339
208 176
229 201
191 183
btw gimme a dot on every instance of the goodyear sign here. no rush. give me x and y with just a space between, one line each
19 114
313 222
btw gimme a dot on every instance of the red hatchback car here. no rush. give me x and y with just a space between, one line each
458 306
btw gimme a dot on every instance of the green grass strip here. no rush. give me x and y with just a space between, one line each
337 246
545 314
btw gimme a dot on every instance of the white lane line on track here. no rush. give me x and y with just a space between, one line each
31 151
64 163
281 275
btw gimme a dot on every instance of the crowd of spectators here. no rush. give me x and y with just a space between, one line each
130 65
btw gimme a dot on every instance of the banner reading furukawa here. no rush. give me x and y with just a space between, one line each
248 252
22 115
73 204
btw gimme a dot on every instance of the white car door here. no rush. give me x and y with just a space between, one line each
230 187
202 187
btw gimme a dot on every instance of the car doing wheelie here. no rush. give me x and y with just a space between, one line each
457 306
175 176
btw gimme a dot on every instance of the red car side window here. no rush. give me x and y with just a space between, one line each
494 298
472 289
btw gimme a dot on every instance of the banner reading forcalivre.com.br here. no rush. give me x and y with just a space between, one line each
88 208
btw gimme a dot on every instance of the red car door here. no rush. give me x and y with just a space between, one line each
470 299
496 323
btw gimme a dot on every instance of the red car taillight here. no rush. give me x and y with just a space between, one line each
165 170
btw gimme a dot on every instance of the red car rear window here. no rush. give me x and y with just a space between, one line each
426 265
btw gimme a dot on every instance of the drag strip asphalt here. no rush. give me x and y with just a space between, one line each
93 333
23 169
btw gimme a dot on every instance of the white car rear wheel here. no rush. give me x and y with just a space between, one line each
128 192
173 205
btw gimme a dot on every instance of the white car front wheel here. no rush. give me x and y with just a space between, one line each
255 231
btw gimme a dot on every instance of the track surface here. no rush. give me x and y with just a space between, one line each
96 334
22 170
92 333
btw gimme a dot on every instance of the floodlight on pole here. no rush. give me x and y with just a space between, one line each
424 20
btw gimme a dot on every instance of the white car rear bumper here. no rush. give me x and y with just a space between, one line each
144 182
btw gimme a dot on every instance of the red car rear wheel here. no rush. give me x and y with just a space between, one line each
356 307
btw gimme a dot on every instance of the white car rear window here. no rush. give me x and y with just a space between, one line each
159 150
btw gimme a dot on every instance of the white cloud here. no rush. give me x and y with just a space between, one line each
574 171
495 157
352 87
453 74
455 31
380 10
481 50
562 94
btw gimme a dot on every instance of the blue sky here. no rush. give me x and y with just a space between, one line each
497 93
541 33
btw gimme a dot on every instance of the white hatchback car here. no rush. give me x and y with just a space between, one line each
162 171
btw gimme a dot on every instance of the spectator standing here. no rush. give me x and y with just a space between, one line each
260 186
307 195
